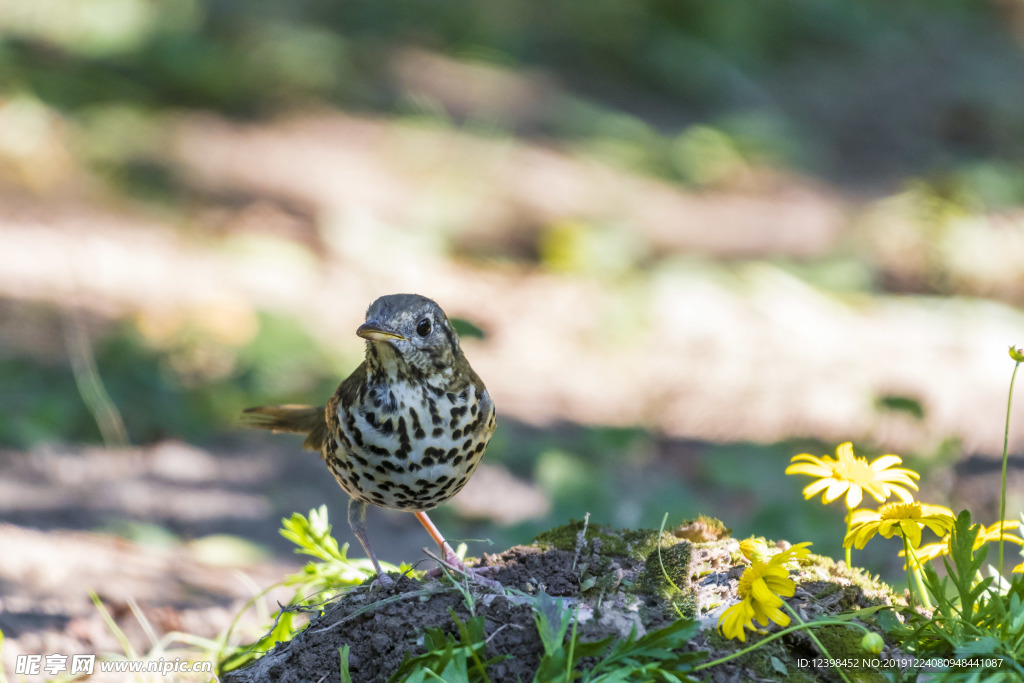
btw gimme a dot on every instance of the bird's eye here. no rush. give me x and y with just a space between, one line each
423 327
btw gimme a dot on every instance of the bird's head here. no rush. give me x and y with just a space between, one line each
409 333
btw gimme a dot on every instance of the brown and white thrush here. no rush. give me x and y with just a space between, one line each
407 429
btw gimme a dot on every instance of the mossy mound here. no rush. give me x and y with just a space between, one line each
615 582
582 537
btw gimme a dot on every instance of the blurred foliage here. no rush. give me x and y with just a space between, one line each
921 97
176 380
691 91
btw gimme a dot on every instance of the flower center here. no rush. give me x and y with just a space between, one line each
855 470
900 511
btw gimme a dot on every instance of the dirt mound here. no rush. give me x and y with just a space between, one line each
615 583
382 625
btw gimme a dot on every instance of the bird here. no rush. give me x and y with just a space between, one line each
407 429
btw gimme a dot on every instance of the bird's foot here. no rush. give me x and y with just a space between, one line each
476 574
452 559
455 563
383 581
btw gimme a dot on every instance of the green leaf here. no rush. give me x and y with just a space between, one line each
552 621
345 675
459 661
965 565
981 646
457 670
654 652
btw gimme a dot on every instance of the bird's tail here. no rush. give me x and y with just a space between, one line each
308 420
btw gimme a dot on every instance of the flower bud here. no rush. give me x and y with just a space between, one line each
755 550
872 642
1017 354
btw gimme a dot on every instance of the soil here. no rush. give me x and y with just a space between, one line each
382 626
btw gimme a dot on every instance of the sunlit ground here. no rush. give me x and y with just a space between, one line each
670 285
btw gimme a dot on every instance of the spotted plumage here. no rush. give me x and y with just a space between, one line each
408 428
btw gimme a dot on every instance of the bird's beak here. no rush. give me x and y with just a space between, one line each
376 332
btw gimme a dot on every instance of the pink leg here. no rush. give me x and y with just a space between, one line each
450 558
447 554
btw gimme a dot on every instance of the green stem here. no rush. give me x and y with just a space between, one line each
1006 443
778 634
912 561
910 583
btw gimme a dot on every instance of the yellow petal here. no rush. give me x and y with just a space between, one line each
779 617
836 488
811 489
885 462
878 491
903 494
844 451
863 516
931 550
913 533
763 595
764 614
784 587
899 475
734 619
807 457
859 536
812 470
938 528
884 527
937 510
854 496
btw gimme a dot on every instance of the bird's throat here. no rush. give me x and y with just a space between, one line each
386 365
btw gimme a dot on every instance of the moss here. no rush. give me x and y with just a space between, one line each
716 556
601 540
669 575
835 587
822 572
821 589
776 661
702 529
842 642
561 537
671 579
769 662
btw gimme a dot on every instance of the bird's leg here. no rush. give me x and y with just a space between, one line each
451 559
357 522
447 554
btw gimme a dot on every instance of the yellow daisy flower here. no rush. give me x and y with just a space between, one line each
989 534
899 519
760 587
852 475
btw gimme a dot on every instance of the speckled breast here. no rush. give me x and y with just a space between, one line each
410 446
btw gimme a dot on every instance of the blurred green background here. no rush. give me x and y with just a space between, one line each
687 240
